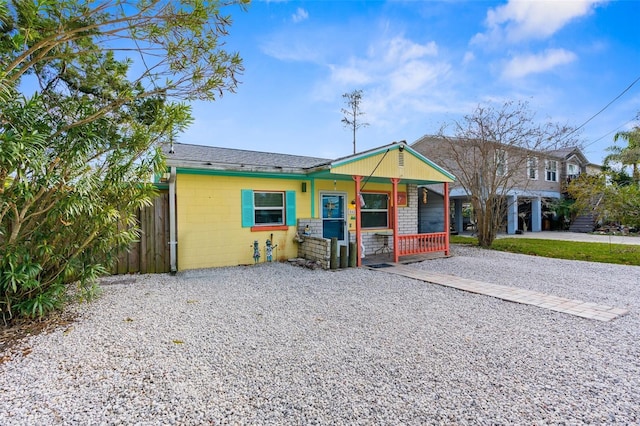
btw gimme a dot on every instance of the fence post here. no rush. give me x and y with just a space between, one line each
352 254
333 260
343 257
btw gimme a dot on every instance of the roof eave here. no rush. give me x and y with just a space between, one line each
246 168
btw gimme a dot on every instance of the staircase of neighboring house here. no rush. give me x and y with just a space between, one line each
583 223
586 222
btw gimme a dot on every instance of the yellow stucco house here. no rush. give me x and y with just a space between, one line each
231 207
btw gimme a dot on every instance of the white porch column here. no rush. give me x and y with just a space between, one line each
536 214
512 214
457 211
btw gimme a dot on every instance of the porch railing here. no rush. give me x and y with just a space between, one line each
422 243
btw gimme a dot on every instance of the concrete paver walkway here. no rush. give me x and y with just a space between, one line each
513 294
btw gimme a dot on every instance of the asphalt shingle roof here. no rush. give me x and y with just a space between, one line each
210 155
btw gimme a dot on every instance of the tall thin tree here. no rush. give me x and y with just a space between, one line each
352 113
628 155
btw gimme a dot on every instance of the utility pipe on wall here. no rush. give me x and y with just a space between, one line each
173 242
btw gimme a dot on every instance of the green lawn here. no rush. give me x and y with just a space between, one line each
572 250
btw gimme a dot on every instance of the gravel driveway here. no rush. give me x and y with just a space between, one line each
278 344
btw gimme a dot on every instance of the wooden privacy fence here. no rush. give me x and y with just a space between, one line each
151 253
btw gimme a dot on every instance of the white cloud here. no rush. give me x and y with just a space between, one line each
297 52
398 64
523 65
520 20
350 75
468 58
400 49
413 76
396 74
300 15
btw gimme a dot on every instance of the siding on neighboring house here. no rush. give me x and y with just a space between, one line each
520 189
439 151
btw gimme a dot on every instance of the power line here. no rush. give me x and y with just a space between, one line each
605 107
607 134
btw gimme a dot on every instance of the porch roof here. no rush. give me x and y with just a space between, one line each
396 160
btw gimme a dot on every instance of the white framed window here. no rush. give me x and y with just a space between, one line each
551 170
375 212
500 158
262 210
268 208
532 168
572 170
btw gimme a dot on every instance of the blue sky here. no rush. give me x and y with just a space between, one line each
421 64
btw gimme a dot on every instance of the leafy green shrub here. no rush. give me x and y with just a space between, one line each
78 153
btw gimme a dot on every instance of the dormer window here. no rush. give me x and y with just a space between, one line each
572 170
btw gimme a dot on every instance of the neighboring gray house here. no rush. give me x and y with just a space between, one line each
543 178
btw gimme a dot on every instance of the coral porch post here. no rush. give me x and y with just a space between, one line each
396 251
357 180
446 219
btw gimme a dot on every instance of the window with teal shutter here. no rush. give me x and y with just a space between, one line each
247 208
268 208
291 208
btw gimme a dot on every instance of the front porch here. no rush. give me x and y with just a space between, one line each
425 171
392 165
377 246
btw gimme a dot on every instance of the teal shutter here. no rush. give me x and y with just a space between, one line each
247 208
291 208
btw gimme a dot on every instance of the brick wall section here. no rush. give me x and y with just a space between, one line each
408 216
373 242
317 249
315 227
313 246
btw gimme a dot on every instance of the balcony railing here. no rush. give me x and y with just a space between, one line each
571 177
422 243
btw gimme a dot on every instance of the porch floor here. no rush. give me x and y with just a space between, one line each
512 294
